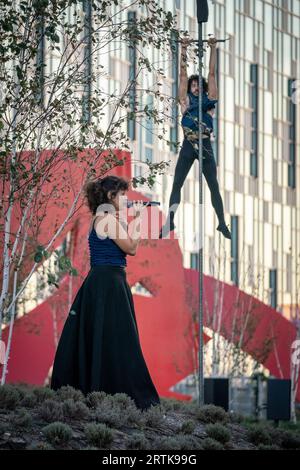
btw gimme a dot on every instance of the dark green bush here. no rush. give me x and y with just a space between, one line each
93 399
188 427
75 409
153 416
258 434
211 414
58 433
21 418
43 393
211 444
30 400
218 432
99 434
117 410
66 392
137 442
179 442
9 397
51 411
290 440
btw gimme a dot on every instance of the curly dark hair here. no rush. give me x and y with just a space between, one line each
196 77
96 191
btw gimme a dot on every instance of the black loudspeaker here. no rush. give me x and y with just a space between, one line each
216 392
279 399
202 11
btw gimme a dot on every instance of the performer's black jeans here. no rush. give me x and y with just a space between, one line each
187 155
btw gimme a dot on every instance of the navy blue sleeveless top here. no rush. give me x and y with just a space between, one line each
105 251
190 117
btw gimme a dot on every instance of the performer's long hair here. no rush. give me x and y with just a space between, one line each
96 191
196 77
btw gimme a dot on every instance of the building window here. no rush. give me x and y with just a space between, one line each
174 123
234 273
292 136
149 122
149 154
273 287
194 261
254 120
131 121
86 107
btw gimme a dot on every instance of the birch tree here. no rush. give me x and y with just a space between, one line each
53 111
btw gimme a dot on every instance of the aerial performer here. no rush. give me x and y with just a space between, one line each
188 100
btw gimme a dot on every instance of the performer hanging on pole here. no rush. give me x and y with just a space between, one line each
188 99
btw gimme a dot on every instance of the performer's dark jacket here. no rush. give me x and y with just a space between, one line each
190 116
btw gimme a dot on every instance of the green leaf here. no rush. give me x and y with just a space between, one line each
38 257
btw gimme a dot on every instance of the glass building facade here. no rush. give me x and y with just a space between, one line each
255 145
256 140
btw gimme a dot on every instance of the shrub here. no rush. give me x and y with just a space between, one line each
74 409
179 442
43 393
188 427
168 403
121 400
98 434
137 442
171 404
21 388
57 433
110 416
218 432
30 400
93 399
9 397
51 411
117 410
211 444
66 392
258 434
211 414
290 440
153 416
21 418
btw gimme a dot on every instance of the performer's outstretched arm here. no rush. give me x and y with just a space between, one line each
183 77
212 84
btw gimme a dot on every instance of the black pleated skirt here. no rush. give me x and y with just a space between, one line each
99 348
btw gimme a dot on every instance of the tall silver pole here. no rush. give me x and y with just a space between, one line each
201 361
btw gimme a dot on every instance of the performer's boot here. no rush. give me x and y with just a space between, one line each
168 226
222 227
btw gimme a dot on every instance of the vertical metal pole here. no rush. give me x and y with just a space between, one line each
201 361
